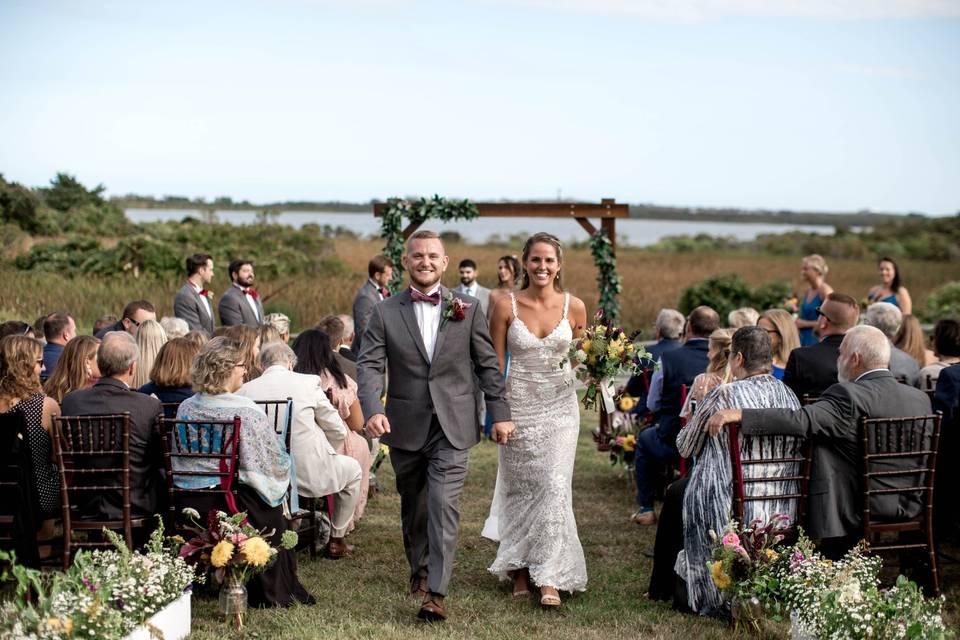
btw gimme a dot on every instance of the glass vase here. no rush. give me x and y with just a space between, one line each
233 600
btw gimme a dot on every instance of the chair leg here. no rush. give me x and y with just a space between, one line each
932 552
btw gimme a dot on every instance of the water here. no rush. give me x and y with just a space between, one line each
630 231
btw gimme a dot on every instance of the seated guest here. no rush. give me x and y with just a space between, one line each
217 375
812 369
117 360
866 390
281 323
946 399
268 334
150 339
58 329
16 328
910 340
104 322
334 328
678 368
946 347
667 330
782 329
134 314
315 357
718 354
76 369
198 338
320 470
170 375
174 327
708 496
349 335
249 340
20 392
887 318
742 317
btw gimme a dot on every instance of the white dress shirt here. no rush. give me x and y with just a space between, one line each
250 301
428 319
206 301
377 287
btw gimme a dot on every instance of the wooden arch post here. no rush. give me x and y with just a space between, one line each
607 211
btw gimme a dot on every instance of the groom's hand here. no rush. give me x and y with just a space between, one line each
377 425
502 431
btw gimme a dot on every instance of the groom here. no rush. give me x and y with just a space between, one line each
436 349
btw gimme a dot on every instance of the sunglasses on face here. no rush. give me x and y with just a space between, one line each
821 313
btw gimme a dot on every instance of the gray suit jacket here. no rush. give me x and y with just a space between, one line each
463 358
836 479
189 306
234 309
363 303
902 365
483 295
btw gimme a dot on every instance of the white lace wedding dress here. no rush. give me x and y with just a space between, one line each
533 503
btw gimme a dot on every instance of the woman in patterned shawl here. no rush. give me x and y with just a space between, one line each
708 498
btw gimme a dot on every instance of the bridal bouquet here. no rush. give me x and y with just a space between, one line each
600 354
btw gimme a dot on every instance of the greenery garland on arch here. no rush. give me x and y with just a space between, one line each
419 211
608 281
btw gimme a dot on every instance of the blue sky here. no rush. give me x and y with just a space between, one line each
800 104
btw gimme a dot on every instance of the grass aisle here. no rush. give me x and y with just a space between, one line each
365 596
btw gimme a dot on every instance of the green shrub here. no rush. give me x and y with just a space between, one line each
944 302
728 291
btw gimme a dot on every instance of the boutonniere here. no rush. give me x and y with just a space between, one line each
206 293
456 309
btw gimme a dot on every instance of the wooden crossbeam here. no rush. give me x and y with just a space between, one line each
607 208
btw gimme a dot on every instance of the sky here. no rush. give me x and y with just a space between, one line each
816 105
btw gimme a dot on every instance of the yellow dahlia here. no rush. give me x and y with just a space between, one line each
221 554
720 577
256 551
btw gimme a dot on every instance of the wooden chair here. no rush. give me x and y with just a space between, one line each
808 399
795 460
280 413
170 409
900 451
93 454
213 444
684 462
19 510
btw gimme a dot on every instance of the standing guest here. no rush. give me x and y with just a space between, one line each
667 330
150 339
814 272
103 322
783 333
117 359
315 422
217 375
249 340
170 375
281 323
76 369
678 368
946 347
16 328
890 288
888 318
379 274
810 370
508 279
333 327
349 336
315 356
909 339
470 286
742 317
20 392
174 327
240 303
193 301
134 314
58 329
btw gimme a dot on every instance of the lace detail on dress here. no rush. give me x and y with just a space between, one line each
536 522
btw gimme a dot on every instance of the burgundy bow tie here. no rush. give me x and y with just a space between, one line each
251 292
433 298
384 292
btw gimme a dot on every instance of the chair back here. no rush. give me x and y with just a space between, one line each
808 399
20 507
170 409
93 455
774 470
280 415
202 461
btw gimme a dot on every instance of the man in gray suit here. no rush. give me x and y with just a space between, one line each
240 304
373 291
437 353
866 390
192 302
470 286
888 318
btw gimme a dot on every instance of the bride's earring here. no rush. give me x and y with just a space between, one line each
89 371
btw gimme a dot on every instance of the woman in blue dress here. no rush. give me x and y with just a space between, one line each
814 272
890 289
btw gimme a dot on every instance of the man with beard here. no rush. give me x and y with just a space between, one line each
470 286
866 389
240 304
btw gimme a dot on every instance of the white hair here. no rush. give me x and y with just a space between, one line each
670 323
278 321
884 316
870 344
174 327
117 352
274 353
348 328
742 317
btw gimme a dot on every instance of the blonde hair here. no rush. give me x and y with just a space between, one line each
787 329
246 337
214 364
18 361
742 317
910 339
150 338
542 238
71 372
720 341
279 321
268 334
172 366
816 261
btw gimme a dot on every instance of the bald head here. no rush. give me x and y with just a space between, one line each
838 314
701 322
863 349
117 355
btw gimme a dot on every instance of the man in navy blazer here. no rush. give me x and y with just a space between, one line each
193 300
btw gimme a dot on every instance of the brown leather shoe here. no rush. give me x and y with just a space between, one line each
418 588
432 609
644 518
337 549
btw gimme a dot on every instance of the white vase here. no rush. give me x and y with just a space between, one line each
172 622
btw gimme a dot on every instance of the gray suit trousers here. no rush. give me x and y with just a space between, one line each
429 482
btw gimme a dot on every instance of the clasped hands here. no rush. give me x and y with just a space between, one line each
377 425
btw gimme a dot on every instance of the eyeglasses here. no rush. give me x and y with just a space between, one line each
772 332
242 365
133 322
821 313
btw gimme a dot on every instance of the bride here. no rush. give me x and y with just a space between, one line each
533 506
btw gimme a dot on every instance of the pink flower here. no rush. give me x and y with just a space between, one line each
238 538
730 539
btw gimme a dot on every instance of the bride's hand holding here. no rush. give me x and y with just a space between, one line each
502 431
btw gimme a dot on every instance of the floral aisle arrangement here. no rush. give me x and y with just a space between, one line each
601 353
104 594
232 551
